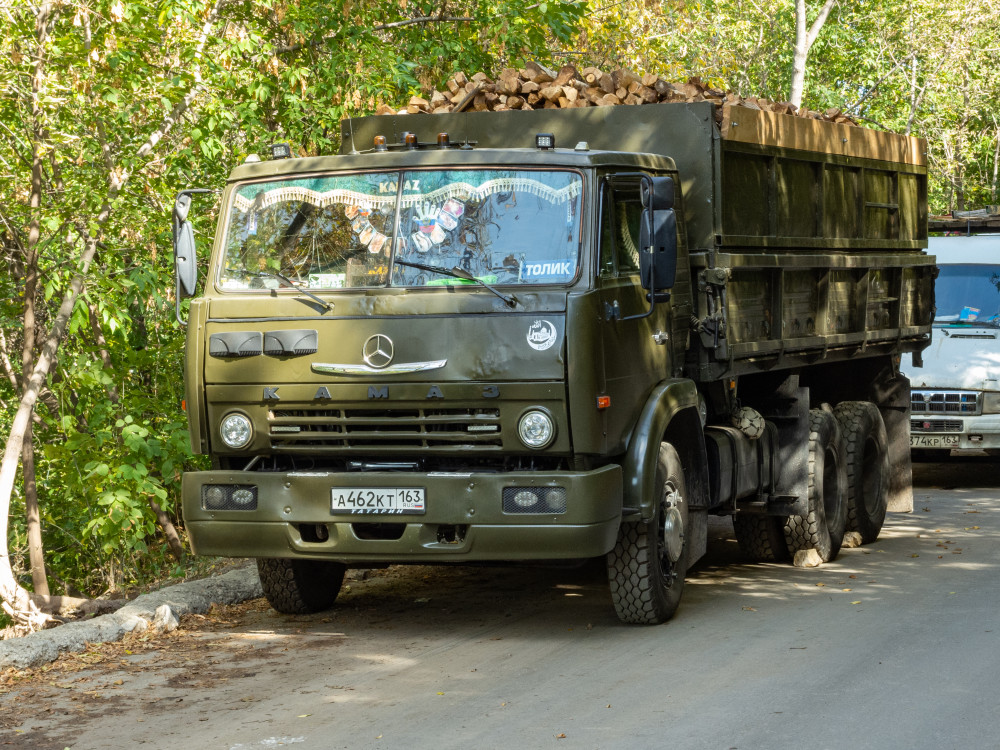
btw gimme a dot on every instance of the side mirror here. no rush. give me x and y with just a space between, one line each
657 234
185 255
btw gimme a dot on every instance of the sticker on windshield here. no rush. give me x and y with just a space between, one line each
327 280
969 314
541 335
556 269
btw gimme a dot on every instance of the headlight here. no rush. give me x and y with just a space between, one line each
236 430
536 429
991 403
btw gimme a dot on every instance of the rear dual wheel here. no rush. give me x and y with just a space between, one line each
761 537
866 447
822 526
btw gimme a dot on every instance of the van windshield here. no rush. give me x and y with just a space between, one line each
968 294
505 227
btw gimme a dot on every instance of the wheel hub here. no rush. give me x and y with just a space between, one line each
673 526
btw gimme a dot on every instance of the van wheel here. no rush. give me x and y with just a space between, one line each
761 537
867 460
646 568
823 525
300 587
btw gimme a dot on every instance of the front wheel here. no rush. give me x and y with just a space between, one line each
646 568
300 587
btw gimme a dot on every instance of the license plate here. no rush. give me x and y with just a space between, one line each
933 441
381 500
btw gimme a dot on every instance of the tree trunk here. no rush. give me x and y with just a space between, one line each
799 53
803 42
173 538
17 602
36 552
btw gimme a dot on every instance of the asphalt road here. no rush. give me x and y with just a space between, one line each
894 645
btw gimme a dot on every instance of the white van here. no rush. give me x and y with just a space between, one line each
955 396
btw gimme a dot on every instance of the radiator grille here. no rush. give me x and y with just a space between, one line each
945 402
936 425
385 428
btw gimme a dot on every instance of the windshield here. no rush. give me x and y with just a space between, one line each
968 294
344 231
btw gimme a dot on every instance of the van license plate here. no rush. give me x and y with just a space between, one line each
378 500
933 441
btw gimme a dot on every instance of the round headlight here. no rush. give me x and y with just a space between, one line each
236 430
214 497
536 429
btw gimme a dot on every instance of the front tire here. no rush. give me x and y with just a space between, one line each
823 525
300 587
646 568
867 460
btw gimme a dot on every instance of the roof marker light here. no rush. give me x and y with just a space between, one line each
410 139
380 143
545 141
444 141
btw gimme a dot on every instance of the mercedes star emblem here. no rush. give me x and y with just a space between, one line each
377 351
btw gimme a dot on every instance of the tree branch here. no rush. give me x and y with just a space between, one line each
818 23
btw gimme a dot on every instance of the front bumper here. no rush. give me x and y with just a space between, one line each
464 518
965 433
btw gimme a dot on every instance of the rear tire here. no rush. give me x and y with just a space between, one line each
761 537
867 459
646 568
300 587
823 525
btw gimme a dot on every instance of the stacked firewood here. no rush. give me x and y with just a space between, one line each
537 87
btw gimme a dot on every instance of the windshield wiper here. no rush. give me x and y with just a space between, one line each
288 282
459 273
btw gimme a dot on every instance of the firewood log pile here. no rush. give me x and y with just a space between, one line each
537 87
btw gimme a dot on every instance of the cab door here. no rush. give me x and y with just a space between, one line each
635 358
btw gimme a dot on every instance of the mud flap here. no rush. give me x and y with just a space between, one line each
893 400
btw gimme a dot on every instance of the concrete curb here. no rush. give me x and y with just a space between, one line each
158 609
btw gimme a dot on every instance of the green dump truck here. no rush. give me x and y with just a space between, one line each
555 335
